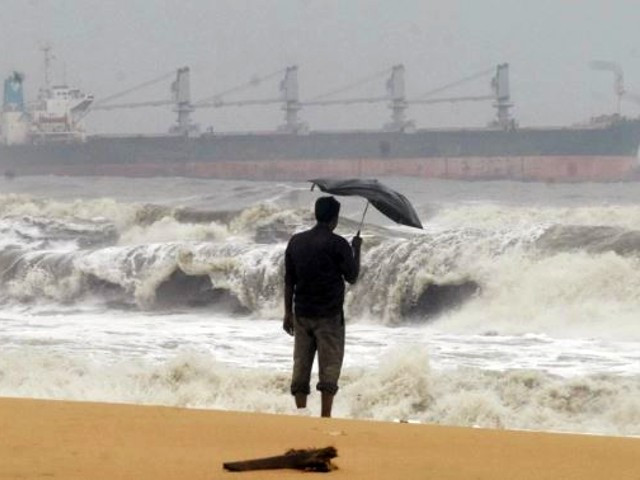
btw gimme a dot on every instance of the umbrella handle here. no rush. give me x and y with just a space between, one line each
362 221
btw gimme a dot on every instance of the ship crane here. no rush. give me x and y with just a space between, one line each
181 92
104 103
500 94
398 103
289 98
181 98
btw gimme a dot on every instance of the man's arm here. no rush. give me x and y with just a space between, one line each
289 282
350 263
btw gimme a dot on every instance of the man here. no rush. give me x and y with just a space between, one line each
317 263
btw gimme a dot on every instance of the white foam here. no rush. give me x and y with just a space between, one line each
402 386
121 214
498 216
566 294
168 229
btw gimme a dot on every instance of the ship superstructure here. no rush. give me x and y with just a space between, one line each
56 116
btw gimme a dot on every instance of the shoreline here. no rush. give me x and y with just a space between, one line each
69 440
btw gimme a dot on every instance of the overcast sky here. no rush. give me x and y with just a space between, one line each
106 46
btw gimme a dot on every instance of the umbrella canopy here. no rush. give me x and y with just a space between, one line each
390 203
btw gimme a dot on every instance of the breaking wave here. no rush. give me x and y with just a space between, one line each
525 278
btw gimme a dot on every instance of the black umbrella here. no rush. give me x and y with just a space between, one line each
389 202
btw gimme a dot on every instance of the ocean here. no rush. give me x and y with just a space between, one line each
517 307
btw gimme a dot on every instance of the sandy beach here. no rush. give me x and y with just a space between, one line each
74 440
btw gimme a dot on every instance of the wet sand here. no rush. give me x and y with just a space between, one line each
76 440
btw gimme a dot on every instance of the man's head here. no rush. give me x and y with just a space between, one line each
327 211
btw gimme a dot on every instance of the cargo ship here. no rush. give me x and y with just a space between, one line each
48 138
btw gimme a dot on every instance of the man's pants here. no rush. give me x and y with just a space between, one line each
326 335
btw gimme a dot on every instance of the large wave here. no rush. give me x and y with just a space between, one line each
513 278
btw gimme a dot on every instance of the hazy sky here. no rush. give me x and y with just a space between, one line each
105 46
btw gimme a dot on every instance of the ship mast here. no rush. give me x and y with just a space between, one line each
48 57
500 84
398 105
181 89
291 98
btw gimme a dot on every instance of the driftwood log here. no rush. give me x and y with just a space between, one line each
313 460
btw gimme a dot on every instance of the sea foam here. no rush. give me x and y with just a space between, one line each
401 387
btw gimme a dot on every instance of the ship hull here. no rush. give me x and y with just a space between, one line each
546 169
566 155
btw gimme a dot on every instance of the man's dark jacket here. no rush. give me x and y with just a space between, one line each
317 262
